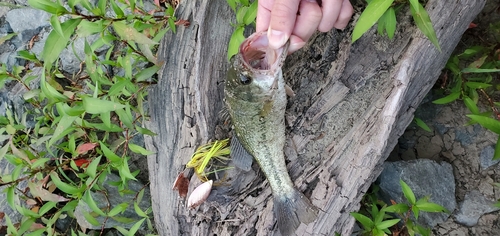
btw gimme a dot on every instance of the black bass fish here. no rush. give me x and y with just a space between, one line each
256 100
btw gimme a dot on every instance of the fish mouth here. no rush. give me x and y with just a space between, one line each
259 57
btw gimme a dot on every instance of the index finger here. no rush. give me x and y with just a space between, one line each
283 16
263 14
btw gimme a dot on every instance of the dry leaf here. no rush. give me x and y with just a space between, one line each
181 184
84 148
37 190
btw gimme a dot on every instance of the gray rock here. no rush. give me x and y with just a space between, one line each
69 61
114 197
42 38
27 22
14 215
473 207
425 178
486 157
11 98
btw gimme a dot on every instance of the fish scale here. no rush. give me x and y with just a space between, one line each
256 100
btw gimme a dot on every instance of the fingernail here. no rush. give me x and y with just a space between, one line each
295 46
276 38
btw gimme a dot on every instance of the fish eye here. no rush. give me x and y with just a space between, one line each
245 79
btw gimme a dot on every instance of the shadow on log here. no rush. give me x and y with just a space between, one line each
352 103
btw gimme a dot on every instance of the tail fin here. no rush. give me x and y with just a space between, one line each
290 211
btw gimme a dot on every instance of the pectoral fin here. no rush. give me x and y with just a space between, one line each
241 158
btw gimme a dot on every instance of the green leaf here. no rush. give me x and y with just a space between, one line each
478 70
138 210
90 218
62 129
129 33
477 85
56 24
118 208
232 4
122 230
48 6
7 37
118 11
240 13
415 5
369 17
136 227
365 221
92 167
106 118
145 131
487 122
87 28
126 116
450 98
47 206
423 22
234 43
496 156
390 22
415 211
250 14
11 197
49 91
397 208
96 105
110 154
87 198
387 224
125 171
146 73
101 4
67 188
471 105
139 149
420 123
431 207
56 43
407 192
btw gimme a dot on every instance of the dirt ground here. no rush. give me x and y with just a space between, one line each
468 148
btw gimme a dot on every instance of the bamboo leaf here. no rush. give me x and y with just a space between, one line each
139 149
450 98
496 156
370 16
478 70
423 22
408 192
67 188
471 105
129 33
390 22
56 43
487 122
97 106
365 221
387 224
234 43
420 123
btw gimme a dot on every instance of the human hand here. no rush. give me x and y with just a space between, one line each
297 20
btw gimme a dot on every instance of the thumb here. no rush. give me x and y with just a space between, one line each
283 16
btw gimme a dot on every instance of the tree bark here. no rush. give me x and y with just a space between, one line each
352 103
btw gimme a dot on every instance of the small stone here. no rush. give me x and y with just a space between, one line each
486 157
27 22
474 206
425 177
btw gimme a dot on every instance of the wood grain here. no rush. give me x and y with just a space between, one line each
352 103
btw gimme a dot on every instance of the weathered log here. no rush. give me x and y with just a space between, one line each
352 103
